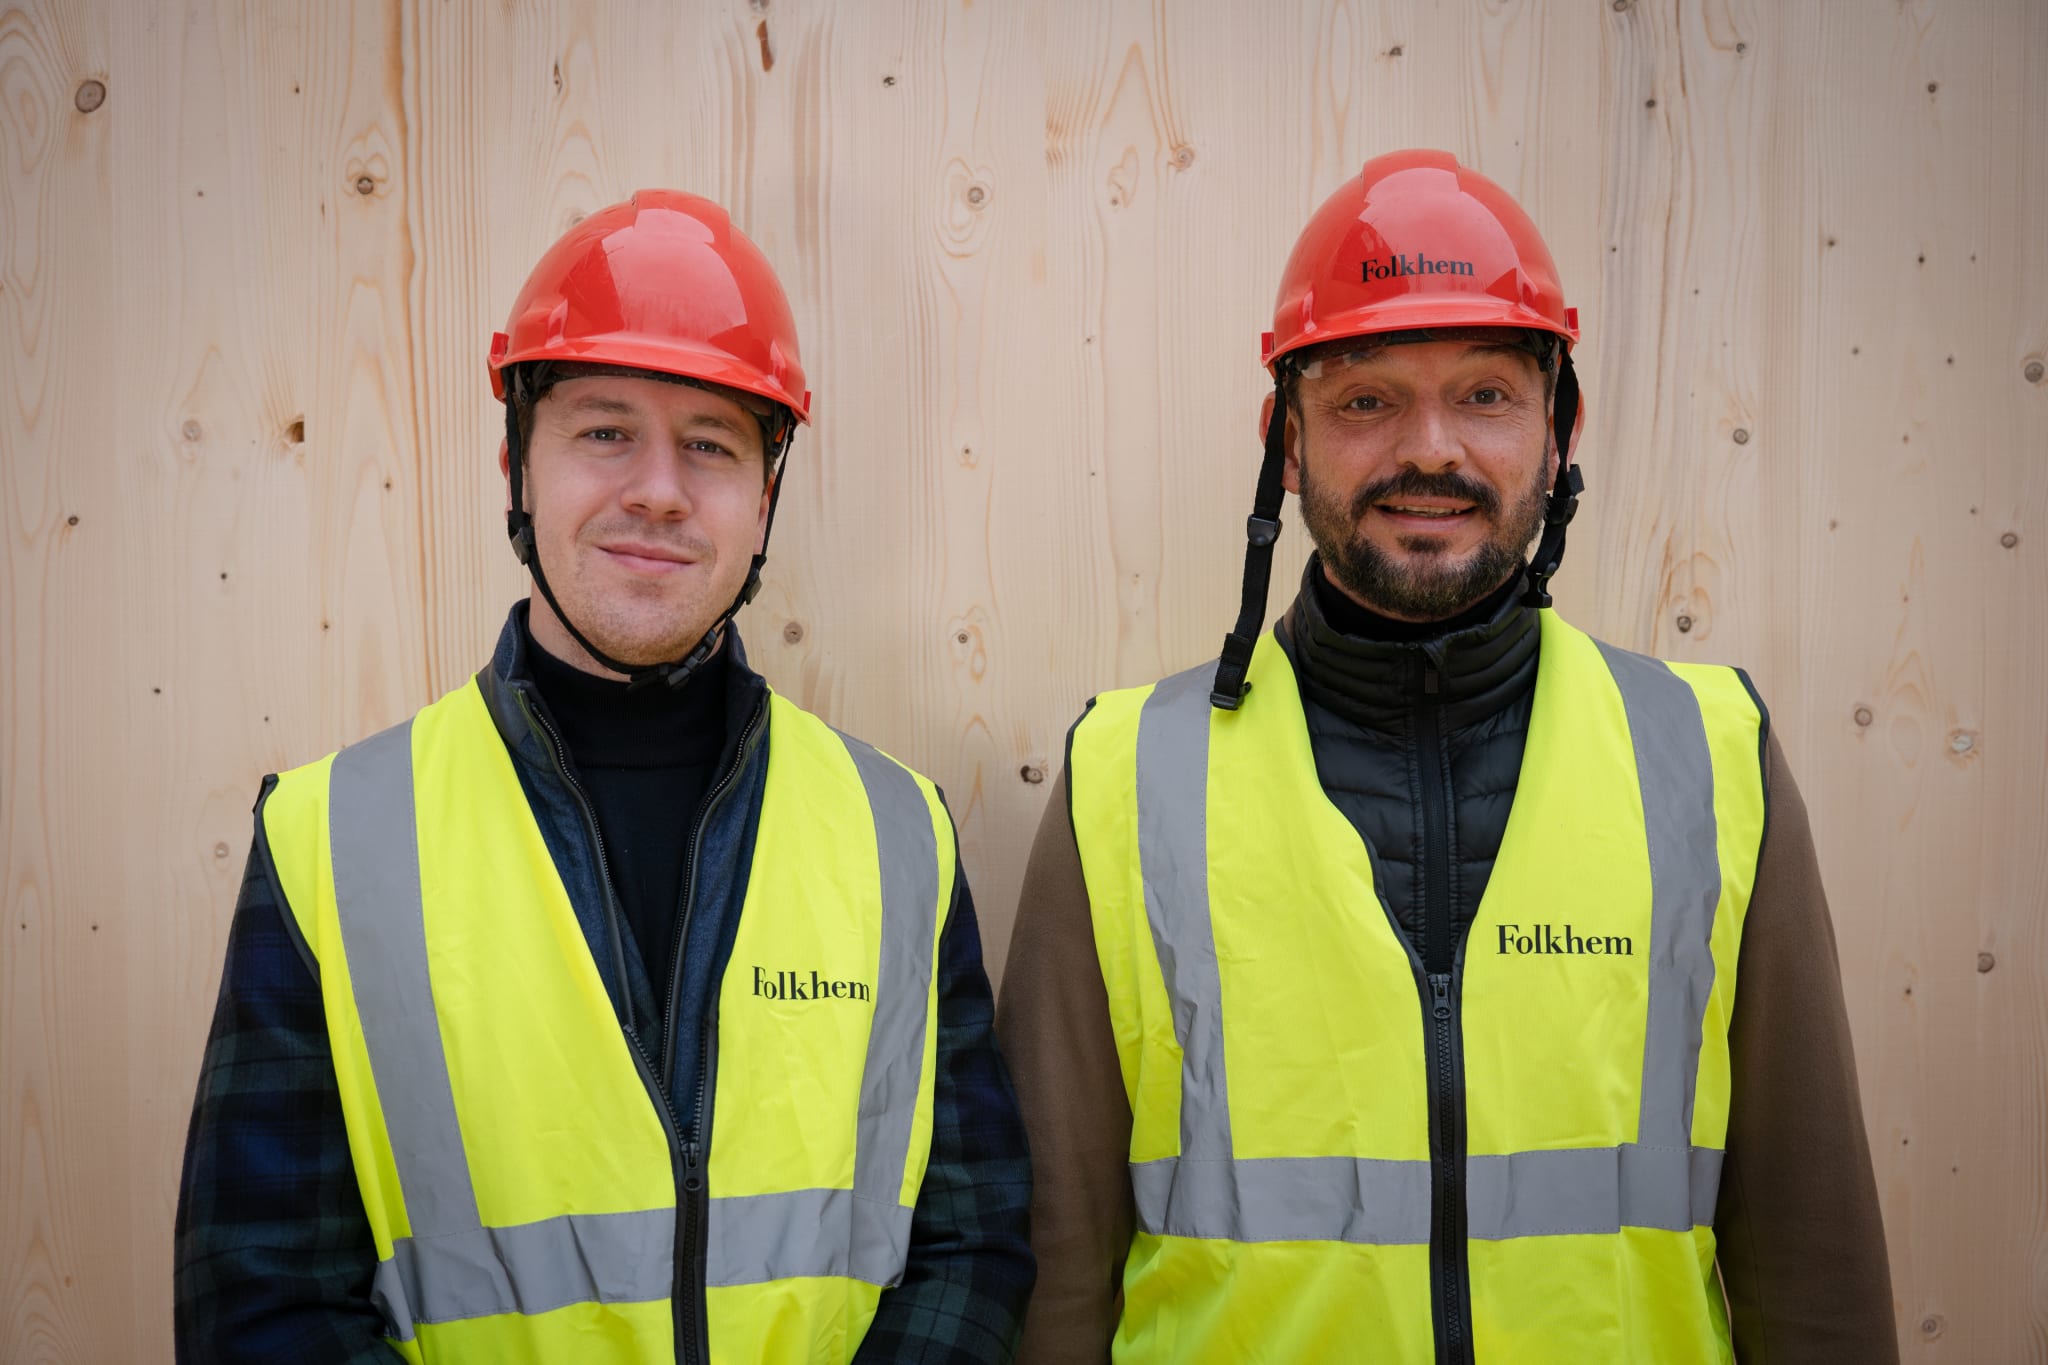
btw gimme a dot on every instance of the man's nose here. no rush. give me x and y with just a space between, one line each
656 485
1431 442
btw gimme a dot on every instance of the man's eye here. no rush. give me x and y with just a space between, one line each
1488 397
709 447
604 434
1365 402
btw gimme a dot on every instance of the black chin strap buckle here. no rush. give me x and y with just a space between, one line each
1261 531
519 527
1557 515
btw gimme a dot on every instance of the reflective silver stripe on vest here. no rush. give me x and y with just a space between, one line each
1676 772
452 1267
909 855
1173 848
762 1237
1660 1181
374 839
533 1268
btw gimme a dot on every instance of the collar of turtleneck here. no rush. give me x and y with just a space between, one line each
1374 670
608 724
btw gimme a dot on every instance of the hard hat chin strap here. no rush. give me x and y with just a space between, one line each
1564 494
1261 530
519 527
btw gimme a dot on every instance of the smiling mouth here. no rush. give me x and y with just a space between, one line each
646 559
1401 509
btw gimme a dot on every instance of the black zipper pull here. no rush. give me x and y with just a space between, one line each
1440 995
693 1175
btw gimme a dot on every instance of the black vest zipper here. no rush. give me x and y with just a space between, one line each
1450 1282
693 1342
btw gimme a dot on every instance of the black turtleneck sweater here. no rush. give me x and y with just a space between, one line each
645 758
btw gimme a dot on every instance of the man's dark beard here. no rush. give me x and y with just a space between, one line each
1428 590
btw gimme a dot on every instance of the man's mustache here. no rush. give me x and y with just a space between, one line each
1413 483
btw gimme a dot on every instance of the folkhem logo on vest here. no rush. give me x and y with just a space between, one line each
1418 264
1543 939
797 986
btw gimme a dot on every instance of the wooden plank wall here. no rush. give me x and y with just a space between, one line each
251 254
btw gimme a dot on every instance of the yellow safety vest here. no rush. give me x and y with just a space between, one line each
518 1171
1270 1023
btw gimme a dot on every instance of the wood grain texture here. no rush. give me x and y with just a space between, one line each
251 510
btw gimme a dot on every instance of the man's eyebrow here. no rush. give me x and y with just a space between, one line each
594 402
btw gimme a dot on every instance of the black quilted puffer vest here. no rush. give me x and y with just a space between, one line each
1418 735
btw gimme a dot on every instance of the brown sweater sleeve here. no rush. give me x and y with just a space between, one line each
1802 1247
1052 1022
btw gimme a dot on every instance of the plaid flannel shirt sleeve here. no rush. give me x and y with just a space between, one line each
274 1252
970 1274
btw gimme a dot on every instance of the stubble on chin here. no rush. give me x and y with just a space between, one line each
1423 582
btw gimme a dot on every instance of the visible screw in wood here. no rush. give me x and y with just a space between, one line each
1961 742
2034 372
1741 436
793 632
1863 717
1684 623
1985 962
91 95
1032 773
2008 540
364 184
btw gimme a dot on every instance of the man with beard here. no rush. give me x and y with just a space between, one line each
612 1008
1422 980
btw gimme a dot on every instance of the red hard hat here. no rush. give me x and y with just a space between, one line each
1416 241
662 282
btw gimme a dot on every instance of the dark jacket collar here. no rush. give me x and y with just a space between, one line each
1473 666
515 702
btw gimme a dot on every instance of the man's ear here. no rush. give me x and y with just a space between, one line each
1578 435
1290 471
505 469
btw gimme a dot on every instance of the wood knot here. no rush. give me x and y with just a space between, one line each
977 195
1032 773
2008 540
1684 623
220 850
1741 436
2034 372
793 632
1932 1325
91 95
1985 962
1183 157
192 431
1863 717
